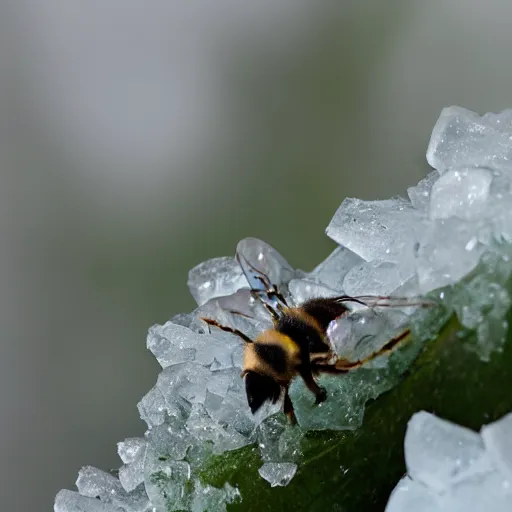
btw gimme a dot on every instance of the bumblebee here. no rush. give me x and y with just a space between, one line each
298 343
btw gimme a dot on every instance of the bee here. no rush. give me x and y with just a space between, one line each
298 343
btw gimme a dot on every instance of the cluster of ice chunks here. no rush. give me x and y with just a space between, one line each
457 218
452 468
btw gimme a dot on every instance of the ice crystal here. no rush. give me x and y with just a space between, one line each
452 468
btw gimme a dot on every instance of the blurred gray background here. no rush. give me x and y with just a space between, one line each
140 138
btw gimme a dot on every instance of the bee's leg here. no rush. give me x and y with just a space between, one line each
329 368
225 328
288 408
307 376
344 365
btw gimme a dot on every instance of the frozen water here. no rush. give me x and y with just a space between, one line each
240 311
278 442
186 380
376 230
174 344
448 250
374 278
333 269
131 475
152 407
131 449
232 409
461 138
169 349
461 193
364 331
439 453
498 442
483 493
69 501
482 304
302 290
420 194
201 425
451 469
166 482
131 452
410 496
215 278
95 483
278 473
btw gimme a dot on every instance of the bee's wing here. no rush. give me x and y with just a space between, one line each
265 270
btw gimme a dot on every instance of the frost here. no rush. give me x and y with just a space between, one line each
450 241
452 468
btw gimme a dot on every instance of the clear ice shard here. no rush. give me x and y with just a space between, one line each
332 270
278 442
377 230
364 331
439 453
451 468
497 438
374 278
420 194
302 290
215 278
411 496
131 451
460 193
448 250
70 501
484 493
173 344
95 483
461 138
278 473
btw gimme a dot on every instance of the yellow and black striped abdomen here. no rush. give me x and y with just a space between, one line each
274 354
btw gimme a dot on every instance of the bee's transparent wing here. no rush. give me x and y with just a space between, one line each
267 272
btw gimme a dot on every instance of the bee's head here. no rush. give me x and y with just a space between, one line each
259 389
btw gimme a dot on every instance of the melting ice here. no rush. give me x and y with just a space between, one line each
449 239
